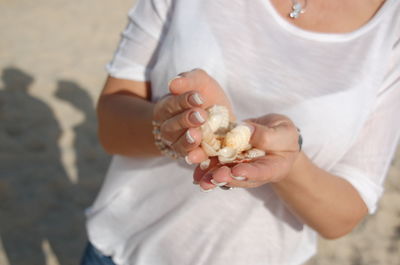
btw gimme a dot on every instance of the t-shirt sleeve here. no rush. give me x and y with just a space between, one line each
366 163
139 41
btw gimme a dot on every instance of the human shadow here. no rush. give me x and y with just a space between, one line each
91 160
35 192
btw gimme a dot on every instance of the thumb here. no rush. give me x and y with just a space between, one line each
188 81
278 138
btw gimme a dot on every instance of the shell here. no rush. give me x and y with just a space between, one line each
209 150
209 137
218 118
226 160
227 155
226 140
227 152
238 138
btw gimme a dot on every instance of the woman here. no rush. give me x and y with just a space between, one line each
330 68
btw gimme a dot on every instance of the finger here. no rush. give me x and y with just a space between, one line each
199 80
196 156
283 137
221 176
172 105
188 141
176 126
199 173
264 169
205 183
188 81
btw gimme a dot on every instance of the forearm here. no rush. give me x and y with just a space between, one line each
125 125
327 203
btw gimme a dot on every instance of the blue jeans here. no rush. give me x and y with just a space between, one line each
92 256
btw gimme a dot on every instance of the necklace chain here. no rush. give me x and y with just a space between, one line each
297 9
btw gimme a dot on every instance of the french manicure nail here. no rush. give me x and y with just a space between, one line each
219 184
196 99
187 160
170 81
205 164
196 117
207 190
189 137
239 178
227 188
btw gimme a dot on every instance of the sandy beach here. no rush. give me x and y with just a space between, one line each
52 57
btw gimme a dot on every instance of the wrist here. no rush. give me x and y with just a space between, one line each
296 173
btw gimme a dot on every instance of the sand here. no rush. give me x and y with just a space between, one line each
52 57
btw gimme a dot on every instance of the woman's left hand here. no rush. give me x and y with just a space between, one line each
273 133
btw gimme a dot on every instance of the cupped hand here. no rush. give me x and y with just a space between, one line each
182 112
273 133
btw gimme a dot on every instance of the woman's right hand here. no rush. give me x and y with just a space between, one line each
181 113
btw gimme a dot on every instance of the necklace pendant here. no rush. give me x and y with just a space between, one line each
297 10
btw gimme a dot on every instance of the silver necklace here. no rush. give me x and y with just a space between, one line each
297 9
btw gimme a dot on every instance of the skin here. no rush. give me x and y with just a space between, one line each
330 16
125 115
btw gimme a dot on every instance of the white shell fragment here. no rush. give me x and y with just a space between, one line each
228 141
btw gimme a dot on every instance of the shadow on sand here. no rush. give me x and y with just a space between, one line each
37 200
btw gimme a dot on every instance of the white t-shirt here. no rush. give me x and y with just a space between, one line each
342 90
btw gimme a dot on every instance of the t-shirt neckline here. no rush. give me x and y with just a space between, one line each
321 36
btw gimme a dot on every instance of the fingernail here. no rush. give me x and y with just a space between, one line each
170 81
187 160
195 182
240 178
207 190
227 188
189 137
196 117
196 99
219 184
205 164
